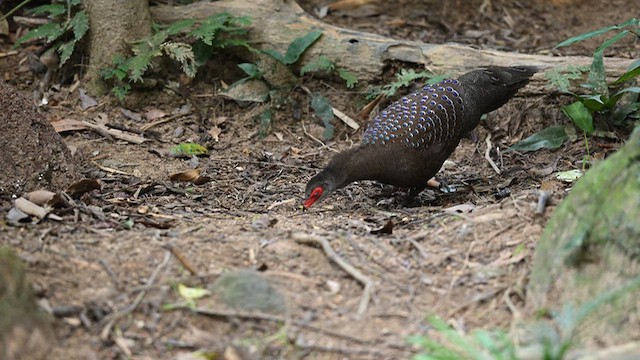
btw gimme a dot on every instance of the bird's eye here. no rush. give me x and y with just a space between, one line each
316 193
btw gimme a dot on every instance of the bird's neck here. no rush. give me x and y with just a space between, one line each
361 163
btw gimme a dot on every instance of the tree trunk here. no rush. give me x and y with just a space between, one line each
591 246
113 27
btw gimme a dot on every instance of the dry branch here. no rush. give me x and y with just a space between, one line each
275 23
333 256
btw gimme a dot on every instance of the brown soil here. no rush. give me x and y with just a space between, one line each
464 256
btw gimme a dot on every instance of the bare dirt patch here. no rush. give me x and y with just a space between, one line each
464 256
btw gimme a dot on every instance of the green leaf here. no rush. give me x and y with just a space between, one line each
632 72
589 35
551 138
251 70
597 80
52 9
50 31
274 54
80 25
187 150
322 107
299 46
202 52
178 27
190 293
66 50
580 115
569 175
265 123
349 77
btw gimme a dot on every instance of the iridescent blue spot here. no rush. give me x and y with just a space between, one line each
423 113
432 103
440 88
440 107
445 98
455 82
430 112
423 108
405 124
432 90
412 118
386 138
455 93
434 95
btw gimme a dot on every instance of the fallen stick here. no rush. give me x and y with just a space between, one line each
333 256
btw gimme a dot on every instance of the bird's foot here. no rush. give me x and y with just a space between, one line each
441 184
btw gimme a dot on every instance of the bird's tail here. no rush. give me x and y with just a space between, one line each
492 87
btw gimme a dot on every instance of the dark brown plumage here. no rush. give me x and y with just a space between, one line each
407 143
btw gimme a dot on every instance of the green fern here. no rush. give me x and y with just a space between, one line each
64 32
215 32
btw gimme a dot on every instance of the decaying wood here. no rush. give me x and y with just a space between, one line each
275 23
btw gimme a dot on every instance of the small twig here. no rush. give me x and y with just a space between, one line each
418 247
182 259
333 256
8 53
487 152
274 318
110 272
334 349
283 202
148 126
304 129
111 320
110 170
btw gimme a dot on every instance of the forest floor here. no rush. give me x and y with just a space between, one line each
464 256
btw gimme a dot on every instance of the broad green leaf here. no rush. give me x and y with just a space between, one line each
597 79
569 176
322 107
590 34
189 293
299 46
266 119
251 70
274 54
580 115
551 138
634 89
187 150
632 72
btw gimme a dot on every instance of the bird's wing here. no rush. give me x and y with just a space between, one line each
431 115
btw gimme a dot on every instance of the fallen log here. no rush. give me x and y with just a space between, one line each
276 23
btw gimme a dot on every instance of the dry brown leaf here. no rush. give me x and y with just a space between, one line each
67 125
40 197
187 176
30 208
215 133
154 114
